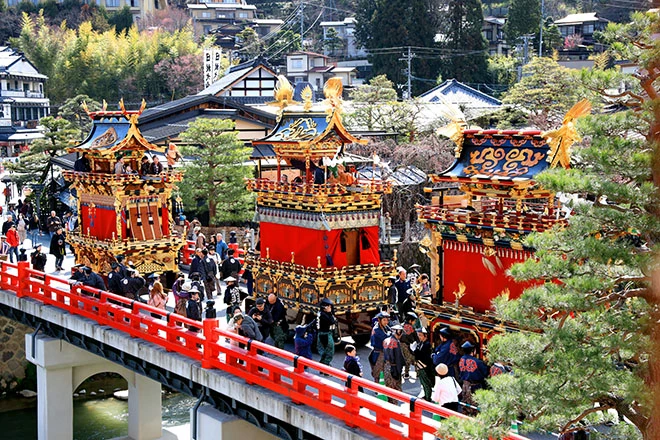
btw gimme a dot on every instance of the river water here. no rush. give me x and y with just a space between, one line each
98 419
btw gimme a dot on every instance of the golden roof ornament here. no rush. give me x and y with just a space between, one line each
561 139
283 94
332 90
307 95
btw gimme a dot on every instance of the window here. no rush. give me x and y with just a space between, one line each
112 3
588 29
134 3
296 63
242 15
488 34
299 79
206 15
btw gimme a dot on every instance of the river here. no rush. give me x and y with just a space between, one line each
97 419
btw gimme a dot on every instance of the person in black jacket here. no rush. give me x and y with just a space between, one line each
194 307
92 279
327 323
114 279
262 317
134 285
423 363
352 363
231 266
38 259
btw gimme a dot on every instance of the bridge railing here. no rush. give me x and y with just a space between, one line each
255 362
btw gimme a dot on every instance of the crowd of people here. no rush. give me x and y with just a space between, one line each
447 373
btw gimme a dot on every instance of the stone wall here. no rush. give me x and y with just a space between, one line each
12 353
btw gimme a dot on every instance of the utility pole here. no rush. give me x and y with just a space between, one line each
408 57
302 23
541 30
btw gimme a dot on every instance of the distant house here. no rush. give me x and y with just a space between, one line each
583 25
252 82
213 14
314 68
139 8
22 102
493 31
346 31
472 102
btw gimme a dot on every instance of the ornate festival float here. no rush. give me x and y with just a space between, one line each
319 235
122 213
477 235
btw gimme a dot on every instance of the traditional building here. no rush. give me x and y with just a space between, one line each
481 210
122 213
350 48
252 82
319 235
22 102
208 15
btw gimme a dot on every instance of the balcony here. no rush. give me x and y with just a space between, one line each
360 195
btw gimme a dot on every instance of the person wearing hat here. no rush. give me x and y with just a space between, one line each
123 270
326 325
446 389
248 327
303 340
38 259
194 307
58 247
133 285
394 361
423 363
408 338
232 296
447 351
114 279
472 371
262 317
379 333
92 279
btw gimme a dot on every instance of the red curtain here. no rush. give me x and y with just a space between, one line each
369 237
308 244
100 221
281 240
466 262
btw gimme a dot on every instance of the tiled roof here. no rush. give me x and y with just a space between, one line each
459 93
579 18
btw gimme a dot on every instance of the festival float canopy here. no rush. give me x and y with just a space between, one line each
122 214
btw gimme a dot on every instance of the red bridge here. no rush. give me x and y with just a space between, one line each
256 363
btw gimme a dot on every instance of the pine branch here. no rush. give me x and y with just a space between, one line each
585 413
643 292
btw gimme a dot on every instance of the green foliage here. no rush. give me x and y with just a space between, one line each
545 93
503 70
33 165
464 44
73 112
122 19
216 176
251 45
102 65
523 19
285 41
592 345
386 26
333 42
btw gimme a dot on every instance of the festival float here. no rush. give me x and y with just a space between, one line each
122 214
319 240
476 236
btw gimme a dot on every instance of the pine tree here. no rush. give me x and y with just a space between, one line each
592 356
215 179
465 47
387 27
524 18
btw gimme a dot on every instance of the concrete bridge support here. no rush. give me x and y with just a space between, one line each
62 367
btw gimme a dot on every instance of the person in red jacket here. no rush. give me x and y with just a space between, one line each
14 241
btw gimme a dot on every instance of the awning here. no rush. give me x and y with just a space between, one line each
25 136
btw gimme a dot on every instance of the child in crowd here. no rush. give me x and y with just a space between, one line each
352 363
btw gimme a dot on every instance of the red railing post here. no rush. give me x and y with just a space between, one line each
415 418
210 339
23 279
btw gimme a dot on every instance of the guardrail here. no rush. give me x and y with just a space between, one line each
255 362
